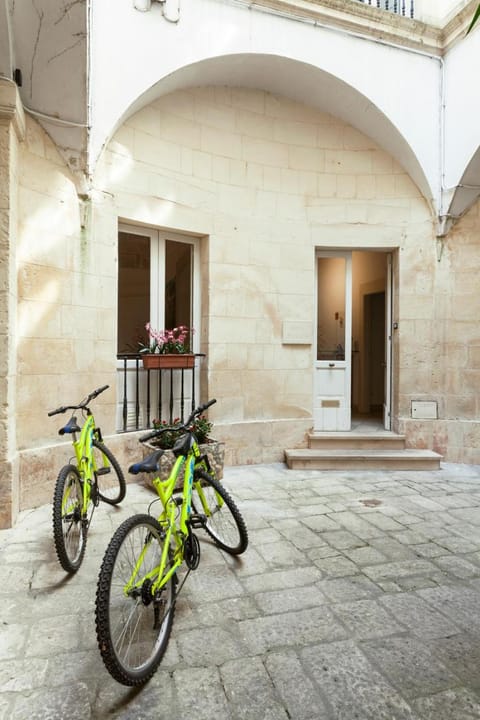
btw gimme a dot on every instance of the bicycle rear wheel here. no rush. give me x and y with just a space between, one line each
110 478
69 529
220 516
133 627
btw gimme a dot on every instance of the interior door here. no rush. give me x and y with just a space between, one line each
387 405
333 371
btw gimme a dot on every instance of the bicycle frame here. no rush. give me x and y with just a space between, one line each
178 532
84 456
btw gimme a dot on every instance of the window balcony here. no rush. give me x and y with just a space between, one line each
143 395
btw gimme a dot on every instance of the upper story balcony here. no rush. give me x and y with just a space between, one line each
437 13
406 8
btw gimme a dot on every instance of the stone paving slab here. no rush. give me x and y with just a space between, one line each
357 599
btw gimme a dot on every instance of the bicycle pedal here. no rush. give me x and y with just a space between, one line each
104 471
197 521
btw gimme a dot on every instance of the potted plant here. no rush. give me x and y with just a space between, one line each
201 426
167 348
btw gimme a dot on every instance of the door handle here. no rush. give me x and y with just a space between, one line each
331 364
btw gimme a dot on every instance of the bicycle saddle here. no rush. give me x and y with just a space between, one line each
148 465
70 427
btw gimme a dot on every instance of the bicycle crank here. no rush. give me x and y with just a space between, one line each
191 551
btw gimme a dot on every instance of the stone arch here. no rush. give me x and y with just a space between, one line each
298 81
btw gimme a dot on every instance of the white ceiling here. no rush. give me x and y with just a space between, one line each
46 42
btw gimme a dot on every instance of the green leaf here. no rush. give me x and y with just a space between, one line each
474 19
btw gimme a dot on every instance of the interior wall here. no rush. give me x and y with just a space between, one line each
368 277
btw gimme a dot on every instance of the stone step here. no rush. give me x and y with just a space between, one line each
385 440
369 459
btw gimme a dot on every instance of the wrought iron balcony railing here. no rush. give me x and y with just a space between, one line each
399 7
143 395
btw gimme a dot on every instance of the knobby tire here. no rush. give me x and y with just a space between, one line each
133 629
69 528
111 486
225 525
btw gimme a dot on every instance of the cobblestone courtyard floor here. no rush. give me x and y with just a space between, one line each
357 599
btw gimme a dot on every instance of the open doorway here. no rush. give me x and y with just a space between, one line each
373 376
371 333
353 339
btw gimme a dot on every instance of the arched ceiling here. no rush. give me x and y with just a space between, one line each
297 81
47 42
466 192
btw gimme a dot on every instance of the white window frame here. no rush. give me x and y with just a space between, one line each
158 238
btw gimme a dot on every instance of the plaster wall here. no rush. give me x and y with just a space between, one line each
437 12
461 109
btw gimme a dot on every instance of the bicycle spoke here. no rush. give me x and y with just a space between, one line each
132 641
69 530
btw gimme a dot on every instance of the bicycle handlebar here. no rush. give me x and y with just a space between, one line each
83 404
179 426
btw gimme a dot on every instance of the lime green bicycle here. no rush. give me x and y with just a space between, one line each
95 475
137 583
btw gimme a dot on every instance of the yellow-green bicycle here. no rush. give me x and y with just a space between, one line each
137 584
95 475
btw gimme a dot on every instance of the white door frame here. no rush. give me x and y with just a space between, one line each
387 405
333 376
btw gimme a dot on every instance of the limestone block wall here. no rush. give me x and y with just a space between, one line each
66 294
65 312
264 181
261 181
12 129
444 312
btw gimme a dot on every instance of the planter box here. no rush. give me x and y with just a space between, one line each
155 361
214 449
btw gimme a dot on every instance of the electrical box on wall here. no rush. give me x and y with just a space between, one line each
424 410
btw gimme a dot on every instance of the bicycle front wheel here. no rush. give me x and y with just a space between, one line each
69 528
219 515
133 626
110 478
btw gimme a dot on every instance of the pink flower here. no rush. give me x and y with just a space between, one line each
174 340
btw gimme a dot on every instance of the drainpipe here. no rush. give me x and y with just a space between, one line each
444 221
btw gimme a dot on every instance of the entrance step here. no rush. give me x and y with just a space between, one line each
379 450
384 440
362 459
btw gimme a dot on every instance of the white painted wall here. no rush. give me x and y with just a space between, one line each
462 107
389 93
437 12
